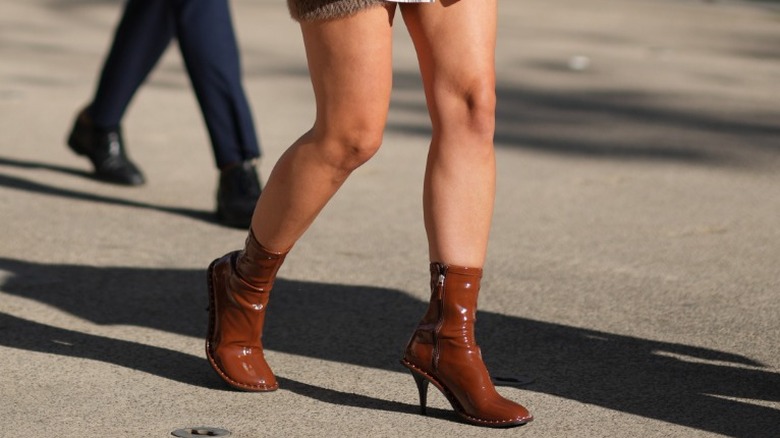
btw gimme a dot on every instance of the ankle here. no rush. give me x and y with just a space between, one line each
257 265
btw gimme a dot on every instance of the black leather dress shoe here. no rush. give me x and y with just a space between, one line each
105 149
239 188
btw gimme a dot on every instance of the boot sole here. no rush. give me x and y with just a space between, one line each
456 404
212 321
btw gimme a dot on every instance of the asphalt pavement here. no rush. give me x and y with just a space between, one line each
634 268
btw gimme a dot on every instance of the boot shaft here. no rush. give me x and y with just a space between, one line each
454 295
257 266
449 320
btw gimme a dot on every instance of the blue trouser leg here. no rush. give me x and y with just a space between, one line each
144 32
208 45
204 30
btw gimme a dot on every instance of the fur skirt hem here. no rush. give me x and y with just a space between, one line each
315 10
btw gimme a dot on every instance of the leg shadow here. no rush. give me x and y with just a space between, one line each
367 326
43 189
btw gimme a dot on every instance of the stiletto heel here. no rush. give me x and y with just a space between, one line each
422 388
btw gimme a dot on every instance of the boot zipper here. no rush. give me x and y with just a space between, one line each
440 322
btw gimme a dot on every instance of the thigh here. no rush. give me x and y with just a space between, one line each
350 63
455 42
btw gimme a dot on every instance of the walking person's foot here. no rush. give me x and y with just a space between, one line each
239 188
105 149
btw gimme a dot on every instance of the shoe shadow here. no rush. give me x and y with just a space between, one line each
367 326
341 398
22 164
43 189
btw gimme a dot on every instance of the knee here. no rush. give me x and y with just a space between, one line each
470 109
350 146
481 104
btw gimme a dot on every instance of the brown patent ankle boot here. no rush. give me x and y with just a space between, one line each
239 286
443 351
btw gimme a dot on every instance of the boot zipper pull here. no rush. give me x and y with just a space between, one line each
440 282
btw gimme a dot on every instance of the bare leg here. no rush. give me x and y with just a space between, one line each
455 43
350 62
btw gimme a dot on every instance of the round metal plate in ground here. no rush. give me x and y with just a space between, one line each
194 432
